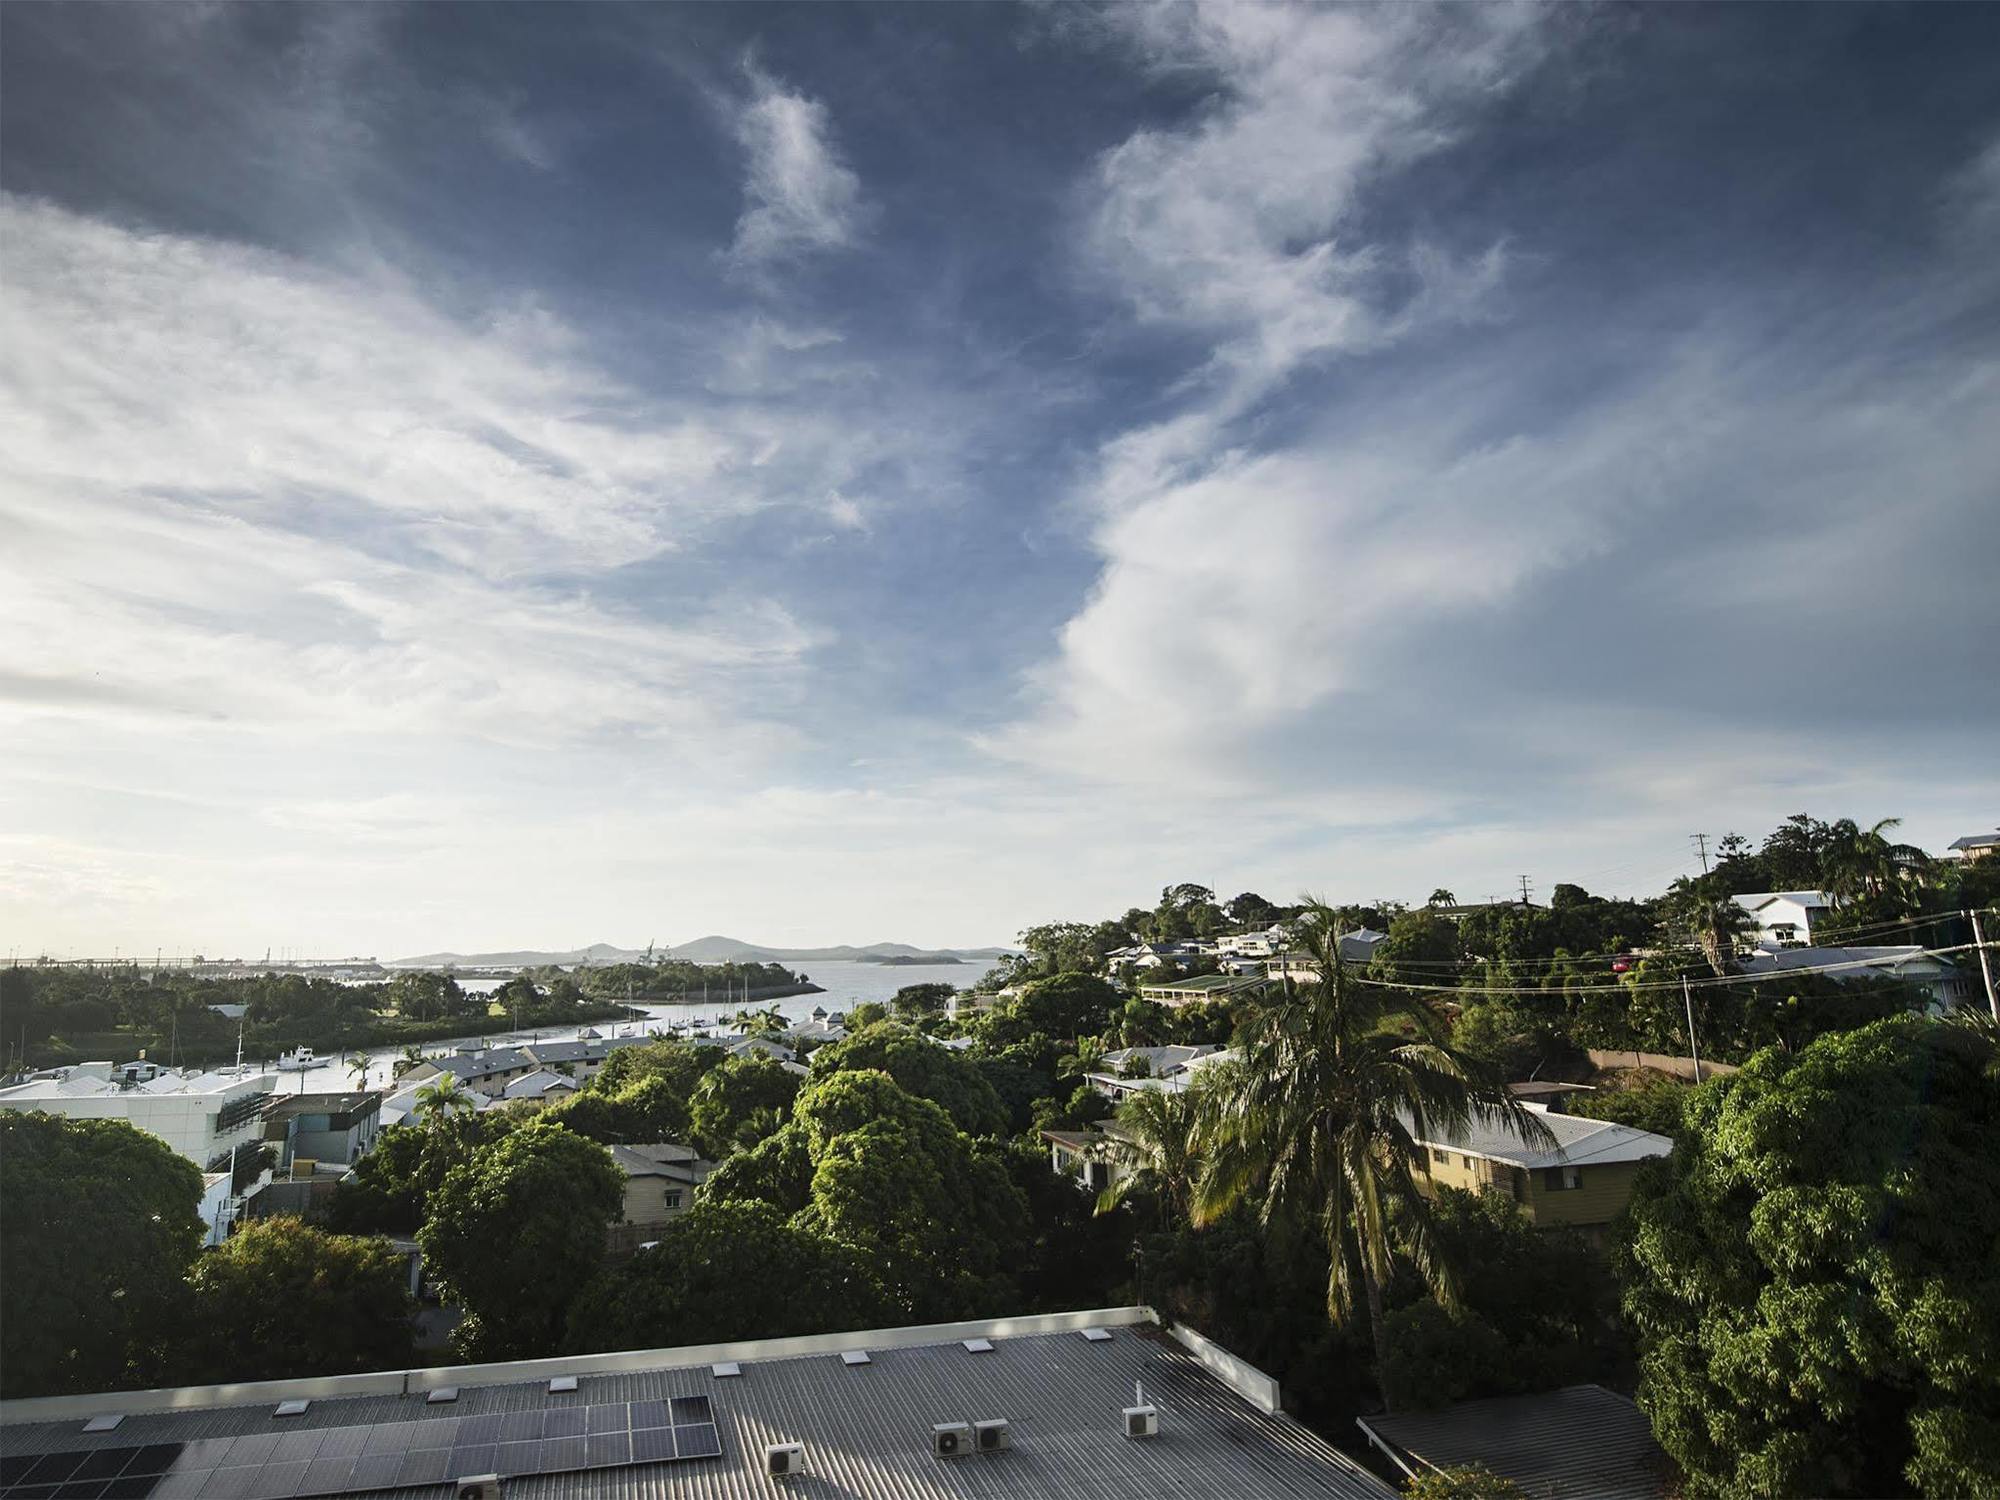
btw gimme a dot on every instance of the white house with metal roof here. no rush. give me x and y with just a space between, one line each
1785 919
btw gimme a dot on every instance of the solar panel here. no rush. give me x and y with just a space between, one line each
383 1456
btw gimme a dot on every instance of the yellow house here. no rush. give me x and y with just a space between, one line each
659 1187
1585 1181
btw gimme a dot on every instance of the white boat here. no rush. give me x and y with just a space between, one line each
298 1060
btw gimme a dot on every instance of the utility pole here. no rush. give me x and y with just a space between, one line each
1700 841
1985 967
1524 890
1694 1049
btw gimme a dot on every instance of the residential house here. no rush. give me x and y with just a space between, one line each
1108 1402
1785 919
1944 985
1976 846
1356 948
660 1180
1583 1181
478 1068
1260 944
1169 1068
1099 1155
544 1084
400 1104
1202 989
335 1127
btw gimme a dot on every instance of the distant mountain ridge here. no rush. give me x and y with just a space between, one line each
713 949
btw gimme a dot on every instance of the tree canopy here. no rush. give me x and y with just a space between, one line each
281 1300
98 1228
726 1271
513 1231
1814 1276
921 1067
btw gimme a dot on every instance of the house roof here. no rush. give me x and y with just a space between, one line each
360 1100
1860 962
1162 1060
1755 901
866 1428
1579 1441
467 1066
534 1085
1976 841
1207 984
1579 1142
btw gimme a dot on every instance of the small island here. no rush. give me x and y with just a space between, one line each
907 960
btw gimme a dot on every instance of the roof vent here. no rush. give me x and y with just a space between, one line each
291 1408
784 1458
562 1385
951 1439
444 1395
727 1369
855 1357
992 1435
105 1423
1098 1335
978 1346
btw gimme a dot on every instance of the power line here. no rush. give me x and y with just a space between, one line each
1626 987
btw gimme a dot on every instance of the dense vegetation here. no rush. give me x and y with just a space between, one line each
1811 1281
50 1016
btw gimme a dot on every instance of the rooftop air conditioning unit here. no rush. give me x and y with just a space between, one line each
993 1435
785 1458
951 1439
1142 1422
479 1487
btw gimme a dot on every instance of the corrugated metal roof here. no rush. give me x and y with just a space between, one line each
1559 1445
866 1429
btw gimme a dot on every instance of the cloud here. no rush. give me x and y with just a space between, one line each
240 490
799 196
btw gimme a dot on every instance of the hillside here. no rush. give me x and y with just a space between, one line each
714 949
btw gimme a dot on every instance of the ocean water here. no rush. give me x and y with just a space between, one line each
845 984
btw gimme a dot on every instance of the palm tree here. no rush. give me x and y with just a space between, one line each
1710 919
1322 1116
437 1099
358 1066
1441 897
1862 862
1157 1139
1088 1058
412 1056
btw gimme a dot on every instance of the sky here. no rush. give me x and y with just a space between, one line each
508 476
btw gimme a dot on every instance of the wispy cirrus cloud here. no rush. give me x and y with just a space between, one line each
799 195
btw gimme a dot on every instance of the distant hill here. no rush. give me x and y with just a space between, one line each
703 950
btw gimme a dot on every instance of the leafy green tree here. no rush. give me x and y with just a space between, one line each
740 1101
866 1014
729 1271
1422 948
1463 1482
1654 1105
280 1300
1814 1275
1536 1310
420 995
1059 947
1319 1115
391 1186
680 1064
921 1067
97 1227
1251 910
511 1234
777 1170
917 1002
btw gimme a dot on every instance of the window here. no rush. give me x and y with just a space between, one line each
674 1198
1441 1156
1467 1160
1562 1179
